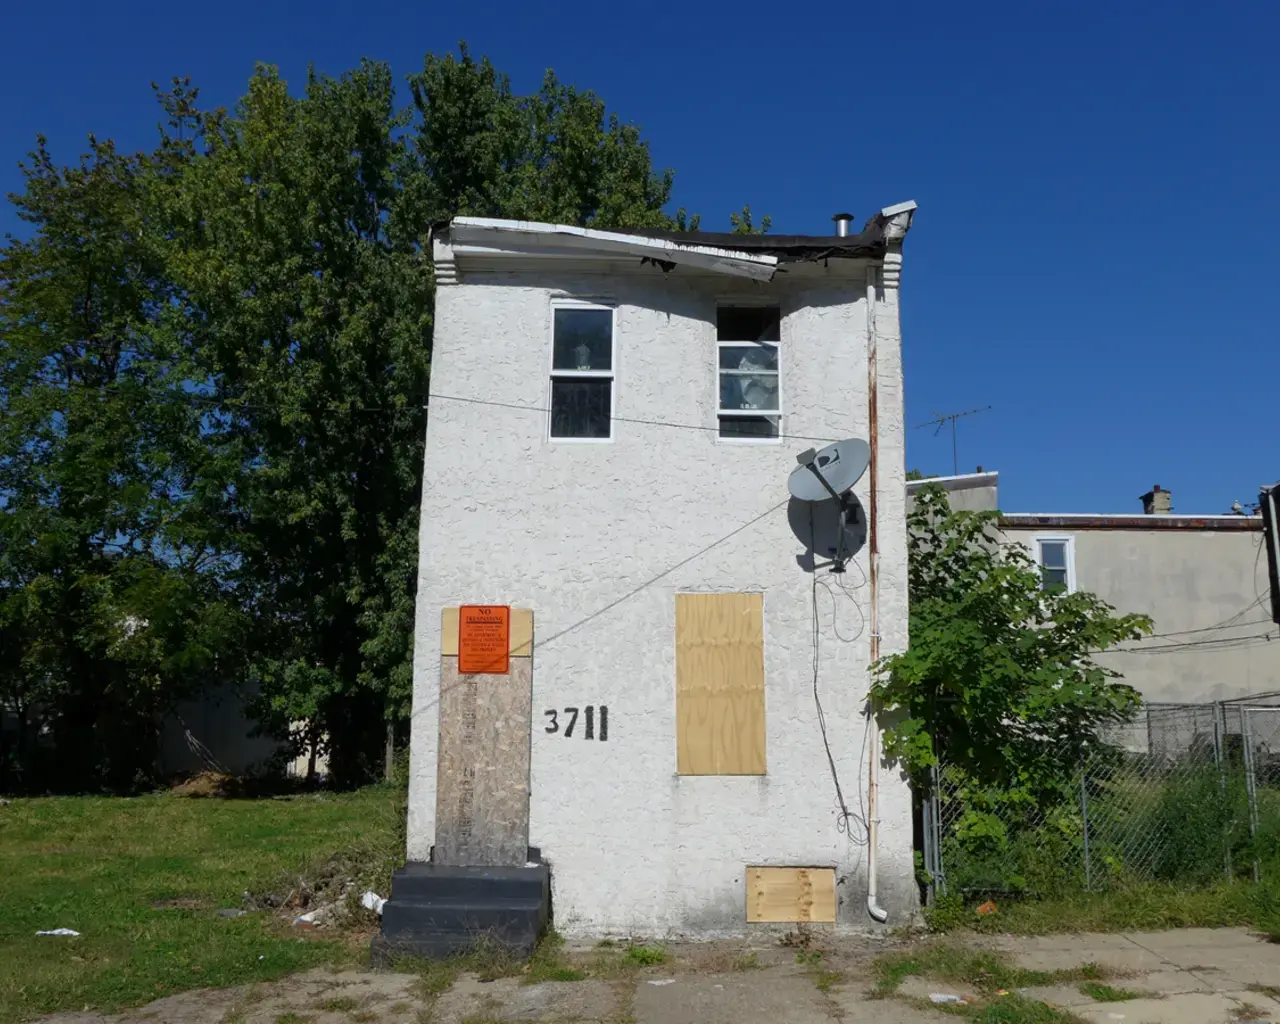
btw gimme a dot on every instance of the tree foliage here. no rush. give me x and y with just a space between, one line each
742 223
213 367
1000 676
109 606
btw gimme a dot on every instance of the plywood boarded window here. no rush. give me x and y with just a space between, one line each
720 684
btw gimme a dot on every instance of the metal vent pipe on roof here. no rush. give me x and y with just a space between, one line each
843 221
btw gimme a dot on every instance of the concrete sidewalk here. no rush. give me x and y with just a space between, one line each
1196 976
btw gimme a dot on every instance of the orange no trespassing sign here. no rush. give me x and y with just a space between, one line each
484 639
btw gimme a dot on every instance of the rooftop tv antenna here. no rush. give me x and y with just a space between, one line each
940 420
829 473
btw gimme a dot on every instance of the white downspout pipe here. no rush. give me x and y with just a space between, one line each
896 221
877 912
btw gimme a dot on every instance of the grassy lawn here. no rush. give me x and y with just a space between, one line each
142 880
1149 907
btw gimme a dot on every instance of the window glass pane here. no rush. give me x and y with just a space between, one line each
1053 554
749 357
1053 578
580 407
748 426
583 339
749 391
747 323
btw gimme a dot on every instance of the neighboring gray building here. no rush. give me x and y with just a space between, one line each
968 492
1202 579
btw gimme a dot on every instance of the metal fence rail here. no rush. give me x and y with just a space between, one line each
1186 794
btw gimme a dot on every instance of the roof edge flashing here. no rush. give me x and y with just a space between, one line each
490 233
895 221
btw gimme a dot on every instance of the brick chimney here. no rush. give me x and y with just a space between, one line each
1157 502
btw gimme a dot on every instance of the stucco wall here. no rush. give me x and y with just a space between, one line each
1185 580
598 538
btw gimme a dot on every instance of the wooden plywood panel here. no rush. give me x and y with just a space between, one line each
521 632
720 684
791 895
482 769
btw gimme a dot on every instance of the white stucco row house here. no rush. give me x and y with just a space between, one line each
612 420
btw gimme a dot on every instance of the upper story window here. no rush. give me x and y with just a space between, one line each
747 339
582 366
1056 558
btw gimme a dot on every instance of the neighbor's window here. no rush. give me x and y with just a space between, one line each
747 359
581 373
1054 555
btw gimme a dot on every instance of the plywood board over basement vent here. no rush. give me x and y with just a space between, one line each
791 895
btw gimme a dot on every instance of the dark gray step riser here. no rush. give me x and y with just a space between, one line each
467 902
431 881
410 920
421 889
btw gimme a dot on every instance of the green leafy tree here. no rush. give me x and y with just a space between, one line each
306 306
556 155
1000 676
213 363
110 609
298 243
742 223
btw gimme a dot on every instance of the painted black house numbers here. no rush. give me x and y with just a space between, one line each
588 731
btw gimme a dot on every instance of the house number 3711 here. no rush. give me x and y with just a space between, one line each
570 722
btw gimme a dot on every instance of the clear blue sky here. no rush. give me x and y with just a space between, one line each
1096 250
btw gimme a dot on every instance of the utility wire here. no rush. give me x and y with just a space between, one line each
233 404
617 419
845 818
1225 643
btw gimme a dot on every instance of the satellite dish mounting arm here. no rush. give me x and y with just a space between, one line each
808 458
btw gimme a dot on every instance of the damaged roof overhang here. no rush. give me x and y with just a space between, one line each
533 238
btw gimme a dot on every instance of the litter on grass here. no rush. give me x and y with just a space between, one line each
372 901
59 931
947 997
663 981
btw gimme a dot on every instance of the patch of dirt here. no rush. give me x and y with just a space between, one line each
210 785
181 903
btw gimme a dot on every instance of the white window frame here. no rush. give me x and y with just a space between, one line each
611 375
1069 554
723 413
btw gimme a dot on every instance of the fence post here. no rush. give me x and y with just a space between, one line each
1219 727
926 838
1251 786
939 870
1084 815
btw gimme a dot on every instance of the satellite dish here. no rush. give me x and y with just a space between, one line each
829 472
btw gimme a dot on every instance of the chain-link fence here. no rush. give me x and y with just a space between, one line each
1185 793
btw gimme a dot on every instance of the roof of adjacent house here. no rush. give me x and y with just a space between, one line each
1128 521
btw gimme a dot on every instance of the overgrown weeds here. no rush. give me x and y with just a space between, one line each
993 978
1149 907
1101 993
748 961
984 971
645 956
